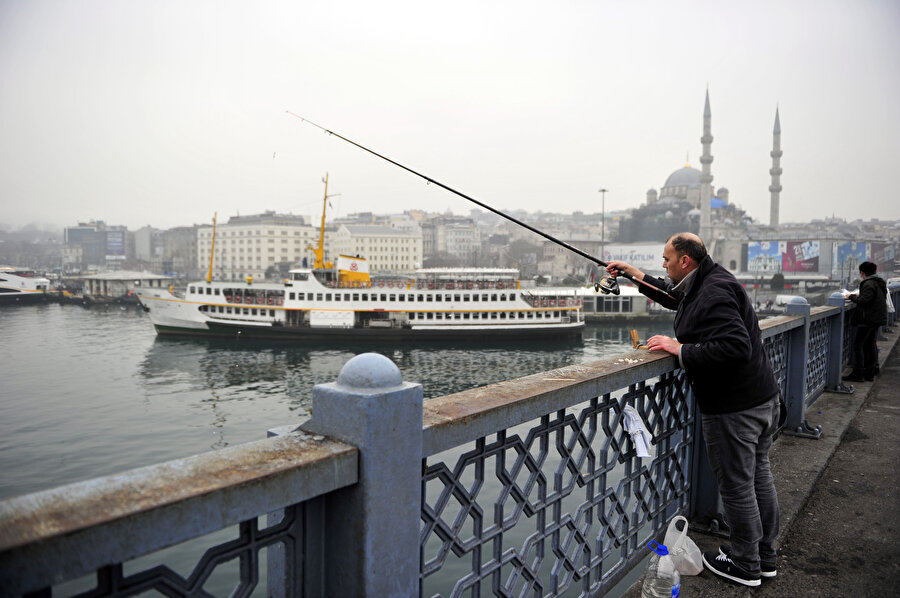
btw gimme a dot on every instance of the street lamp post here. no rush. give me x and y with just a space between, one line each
602 222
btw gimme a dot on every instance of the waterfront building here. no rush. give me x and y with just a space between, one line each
387 250
111 285
456 236
179 256
96 244
257 244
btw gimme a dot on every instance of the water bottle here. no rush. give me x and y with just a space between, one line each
662 579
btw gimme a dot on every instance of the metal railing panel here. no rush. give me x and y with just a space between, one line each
60 534
561 502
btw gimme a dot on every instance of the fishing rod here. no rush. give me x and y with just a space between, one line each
607 284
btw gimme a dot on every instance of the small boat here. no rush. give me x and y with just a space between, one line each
21 286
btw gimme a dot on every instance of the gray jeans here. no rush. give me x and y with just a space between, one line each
738 445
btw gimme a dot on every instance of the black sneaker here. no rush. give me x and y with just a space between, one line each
723 566
765 570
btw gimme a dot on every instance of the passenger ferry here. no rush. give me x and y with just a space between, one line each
344 301
20 286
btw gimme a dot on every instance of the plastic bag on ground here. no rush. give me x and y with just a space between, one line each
684 552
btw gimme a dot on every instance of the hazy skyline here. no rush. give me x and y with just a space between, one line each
164 112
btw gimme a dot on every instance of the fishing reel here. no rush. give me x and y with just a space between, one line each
608 285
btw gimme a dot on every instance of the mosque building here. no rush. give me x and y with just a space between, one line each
686 202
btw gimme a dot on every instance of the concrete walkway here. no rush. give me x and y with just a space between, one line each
839 498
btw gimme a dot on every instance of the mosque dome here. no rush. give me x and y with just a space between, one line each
684 177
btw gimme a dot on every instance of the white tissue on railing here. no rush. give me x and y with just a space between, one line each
640 436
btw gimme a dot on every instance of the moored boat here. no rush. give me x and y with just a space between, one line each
467 303
21 286
341 300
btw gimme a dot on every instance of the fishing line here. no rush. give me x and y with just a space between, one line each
479 203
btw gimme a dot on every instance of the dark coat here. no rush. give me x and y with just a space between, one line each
871 303
722 350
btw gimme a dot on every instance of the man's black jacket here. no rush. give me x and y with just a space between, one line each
871 305
722 351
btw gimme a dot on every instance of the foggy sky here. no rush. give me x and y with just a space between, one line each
163 112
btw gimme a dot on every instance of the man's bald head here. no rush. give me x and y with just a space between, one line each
682 254
688 244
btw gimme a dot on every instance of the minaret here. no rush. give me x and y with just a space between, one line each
775 171
705 175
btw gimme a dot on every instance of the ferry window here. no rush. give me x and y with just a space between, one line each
556 314
466 316
246 311
437 298
318 296
193 290
208 291
503 297
356 296
430 297
391 297
401 297
430 316
337 296
300 276
365 296
411 315
484 297
521 315
421 297
502 315
493 315
384 297
484 315
271 313
301 296
448 298
253 311
467 297
327 296
539 315
456 298
217 291
494 297
411 297
439 315
626 303
228 310
456 316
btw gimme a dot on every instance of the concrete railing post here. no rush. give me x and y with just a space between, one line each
798 355
372 543
835 367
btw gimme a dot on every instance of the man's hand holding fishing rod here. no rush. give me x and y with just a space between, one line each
664 293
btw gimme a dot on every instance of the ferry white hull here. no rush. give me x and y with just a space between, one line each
306 308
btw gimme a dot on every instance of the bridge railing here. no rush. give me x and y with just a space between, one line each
533 485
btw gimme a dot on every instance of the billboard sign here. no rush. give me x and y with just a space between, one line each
883 255
645 257
846 258
800 256
764 256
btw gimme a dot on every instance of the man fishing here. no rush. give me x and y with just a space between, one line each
718 344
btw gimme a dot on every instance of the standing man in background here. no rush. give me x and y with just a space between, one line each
718 344
869 316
